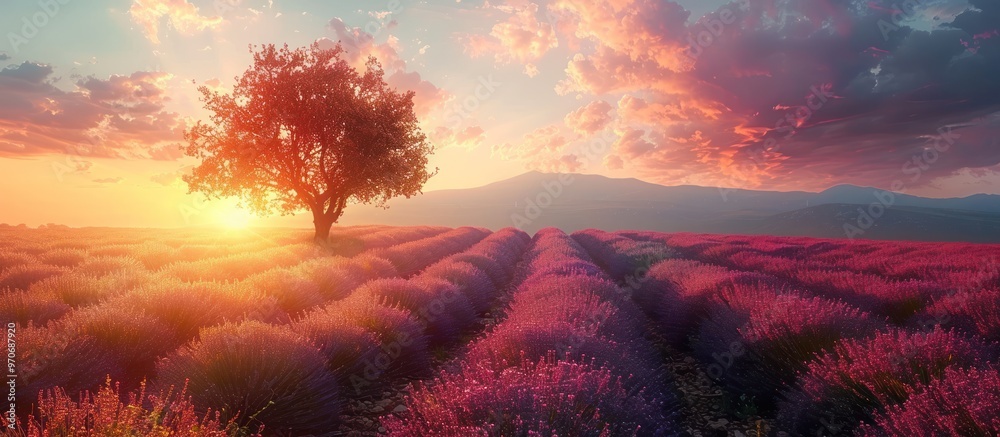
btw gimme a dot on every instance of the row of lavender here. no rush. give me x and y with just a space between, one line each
242 348
810 356
382 332
41 280
109 317
568 358
914 284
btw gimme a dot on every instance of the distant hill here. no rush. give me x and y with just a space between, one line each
897 223
572 202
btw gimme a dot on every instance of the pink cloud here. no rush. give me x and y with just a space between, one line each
468 137
427 98
521 38
360 44
430 101
591 118
120 117
548 139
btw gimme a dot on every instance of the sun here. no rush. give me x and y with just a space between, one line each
234 217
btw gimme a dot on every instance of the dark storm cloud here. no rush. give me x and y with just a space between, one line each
800 92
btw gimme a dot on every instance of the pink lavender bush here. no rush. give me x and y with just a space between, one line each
513 344
497 254
397 330
132 336
594 303
186 307
442 327
392 236
259 374
231 267
367 266
51 356
897 300
77 290
974 311
553 253
621 257
447 300
410 258
13 258
20 277
545 399
23 307
333 281
576 307
293 292
860 378
473 283
105 265
758 340
348 348
601 285
63 257
676 294
964 403
498 273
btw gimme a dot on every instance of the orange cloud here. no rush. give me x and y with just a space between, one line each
183 16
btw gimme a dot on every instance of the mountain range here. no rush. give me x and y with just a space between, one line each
574 201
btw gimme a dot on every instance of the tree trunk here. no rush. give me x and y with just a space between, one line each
322 236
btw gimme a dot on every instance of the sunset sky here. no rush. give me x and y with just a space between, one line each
95 95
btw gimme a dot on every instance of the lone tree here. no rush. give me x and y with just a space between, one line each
303 129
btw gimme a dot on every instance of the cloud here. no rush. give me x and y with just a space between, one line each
183 16
171 178
114 180
427 98
434 106
469 137
360 44
215 85
563 164
793 94
4 56
613 162
168 152
118 117
545 149
521 38
591 118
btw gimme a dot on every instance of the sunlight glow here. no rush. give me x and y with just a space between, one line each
234 217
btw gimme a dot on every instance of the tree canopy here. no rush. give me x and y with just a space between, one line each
304 130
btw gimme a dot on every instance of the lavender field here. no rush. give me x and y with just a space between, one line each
419 331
